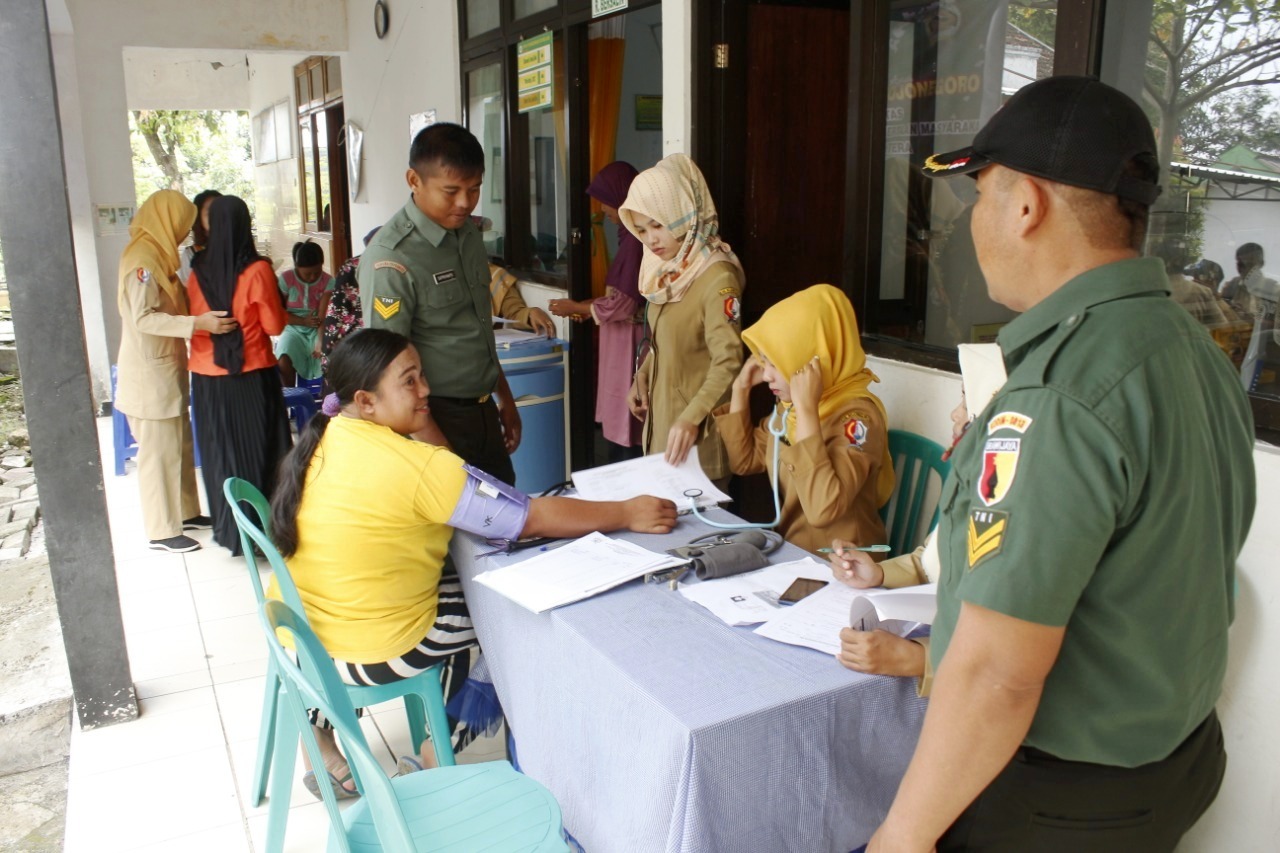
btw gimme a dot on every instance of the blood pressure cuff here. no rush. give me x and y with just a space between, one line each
720 555
489 507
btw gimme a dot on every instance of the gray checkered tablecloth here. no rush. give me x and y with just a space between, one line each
657 727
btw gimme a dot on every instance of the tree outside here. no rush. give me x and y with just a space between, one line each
190 151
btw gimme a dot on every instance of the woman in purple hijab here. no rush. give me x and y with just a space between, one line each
619 314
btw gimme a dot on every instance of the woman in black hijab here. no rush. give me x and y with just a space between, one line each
241 425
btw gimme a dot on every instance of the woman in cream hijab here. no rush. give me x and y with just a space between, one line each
151 387
693 284
835 471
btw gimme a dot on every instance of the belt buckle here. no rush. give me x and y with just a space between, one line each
483 399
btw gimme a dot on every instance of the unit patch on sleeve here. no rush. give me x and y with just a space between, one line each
733 309
390 265
855 431
999 465
144 275
987 528
1015 421
387 306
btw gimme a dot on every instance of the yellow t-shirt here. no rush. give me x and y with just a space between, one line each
372 538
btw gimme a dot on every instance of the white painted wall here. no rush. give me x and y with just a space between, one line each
168 79
641 75
1243 817
414 68
677 76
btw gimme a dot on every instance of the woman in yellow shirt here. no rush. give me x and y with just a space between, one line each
364 516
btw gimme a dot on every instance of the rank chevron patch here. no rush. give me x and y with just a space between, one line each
987 528
386 306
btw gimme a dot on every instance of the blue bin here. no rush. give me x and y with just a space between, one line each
537 372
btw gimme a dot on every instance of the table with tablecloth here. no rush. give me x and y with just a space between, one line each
660 728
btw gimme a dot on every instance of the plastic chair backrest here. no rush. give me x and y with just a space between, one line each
314 683
915 458
236 490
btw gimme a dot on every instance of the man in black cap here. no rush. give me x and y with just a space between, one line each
1093 516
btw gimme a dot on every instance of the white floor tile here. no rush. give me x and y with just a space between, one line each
230 838
171 725
307 830
240 670
165 651
240 704
223 598
213 562
153 608
151 687
236 639
154 570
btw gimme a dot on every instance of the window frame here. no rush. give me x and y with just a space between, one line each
306 123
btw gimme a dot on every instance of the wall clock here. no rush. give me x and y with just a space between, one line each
381 18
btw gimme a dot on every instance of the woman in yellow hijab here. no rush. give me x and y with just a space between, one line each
835 471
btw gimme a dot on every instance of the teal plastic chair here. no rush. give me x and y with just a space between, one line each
487 806
915 458
423 701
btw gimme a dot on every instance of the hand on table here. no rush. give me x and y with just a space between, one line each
680 438
647 514
855 568
880 653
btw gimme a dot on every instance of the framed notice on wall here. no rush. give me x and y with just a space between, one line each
534 73
648 112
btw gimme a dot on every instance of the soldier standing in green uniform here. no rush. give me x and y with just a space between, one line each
1093 517
426 276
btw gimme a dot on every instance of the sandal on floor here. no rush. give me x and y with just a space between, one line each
406 765
339 791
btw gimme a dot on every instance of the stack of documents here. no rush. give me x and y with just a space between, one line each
579 570
504 338
816 621
750 598
650 475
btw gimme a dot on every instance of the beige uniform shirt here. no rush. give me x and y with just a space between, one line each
152 375
696 353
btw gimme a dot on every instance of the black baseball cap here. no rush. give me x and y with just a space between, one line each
1073 130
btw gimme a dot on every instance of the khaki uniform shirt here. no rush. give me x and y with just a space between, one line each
1107 488
151 381
827 481
696 353
431 285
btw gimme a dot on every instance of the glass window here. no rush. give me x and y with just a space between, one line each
332 77
525 8
306 157
948 73
316 73
303 90
322 167
1216 223
548 178
482 16
484 119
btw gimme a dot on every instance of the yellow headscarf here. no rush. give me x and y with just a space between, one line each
675 194
161 223
820 321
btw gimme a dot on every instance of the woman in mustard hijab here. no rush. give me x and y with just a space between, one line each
835 471
151 386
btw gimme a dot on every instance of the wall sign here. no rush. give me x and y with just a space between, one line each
534 73
604 7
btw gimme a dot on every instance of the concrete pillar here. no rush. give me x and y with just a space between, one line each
35 230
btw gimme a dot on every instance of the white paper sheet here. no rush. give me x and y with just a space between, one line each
649 475
813 622
575 571
505 338
982 374
752 597
914 605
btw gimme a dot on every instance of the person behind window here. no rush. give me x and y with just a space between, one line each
151 381
364 518
1199 301
834 468
693 283
618 316
1254 297
305 290
239 404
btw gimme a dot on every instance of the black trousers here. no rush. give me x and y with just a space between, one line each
1047 805
475 433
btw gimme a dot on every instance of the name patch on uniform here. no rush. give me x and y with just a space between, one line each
1015 421
856 432
445 277
733 309
987 528
144 275
725 291
386 306
999 465
390 265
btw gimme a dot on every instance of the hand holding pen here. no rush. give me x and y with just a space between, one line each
853 566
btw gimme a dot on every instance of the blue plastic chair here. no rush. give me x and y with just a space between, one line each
487 806
314 387
124 445
301 406
424 706
915 458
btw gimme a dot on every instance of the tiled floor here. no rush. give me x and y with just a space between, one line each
177 777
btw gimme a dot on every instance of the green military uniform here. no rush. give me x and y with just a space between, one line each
431 284
1108 487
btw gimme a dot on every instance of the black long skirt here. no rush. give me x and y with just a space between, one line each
243 431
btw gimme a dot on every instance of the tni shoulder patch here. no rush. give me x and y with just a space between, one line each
987 528
390 265
386 306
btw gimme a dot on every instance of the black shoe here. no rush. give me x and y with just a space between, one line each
198 522
175 544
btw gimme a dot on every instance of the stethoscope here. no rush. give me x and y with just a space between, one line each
777 428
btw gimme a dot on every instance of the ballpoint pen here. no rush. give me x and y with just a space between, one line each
873 549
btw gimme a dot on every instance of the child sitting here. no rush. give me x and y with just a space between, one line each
305 291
